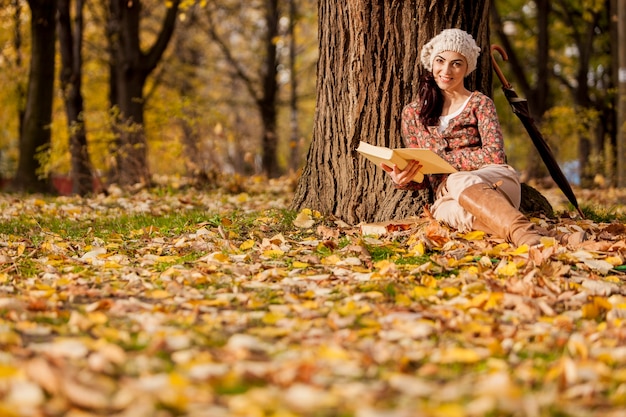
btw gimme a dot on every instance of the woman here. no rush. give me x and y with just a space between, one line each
463 128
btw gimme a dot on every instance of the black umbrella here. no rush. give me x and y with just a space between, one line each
520 108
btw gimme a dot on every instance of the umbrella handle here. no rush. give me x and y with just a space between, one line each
496 68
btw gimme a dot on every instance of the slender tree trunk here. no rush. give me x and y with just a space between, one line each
620 12
35 134
70 41
133 66
294 140
264 88
267 103
189 54
19 62
368 70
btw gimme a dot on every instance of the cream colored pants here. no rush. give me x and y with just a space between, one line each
446 208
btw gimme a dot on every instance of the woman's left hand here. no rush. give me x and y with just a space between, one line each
402 177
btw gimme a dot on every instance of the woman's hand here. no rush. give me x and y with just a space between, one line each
402 177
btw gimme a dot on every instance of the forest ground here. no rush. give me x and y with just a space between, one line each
180 302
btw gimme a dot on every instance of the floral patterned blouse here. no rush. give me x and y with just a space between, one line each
471 140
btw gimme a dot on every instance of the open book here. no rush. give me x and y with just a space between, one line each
431 162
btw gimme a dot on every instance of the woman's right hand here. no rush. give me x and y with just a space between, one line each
402 177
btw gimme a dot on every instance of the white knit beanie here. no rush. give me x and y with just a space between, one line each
455 40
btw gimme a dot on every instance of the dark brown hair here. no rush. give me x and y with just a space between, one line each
431 101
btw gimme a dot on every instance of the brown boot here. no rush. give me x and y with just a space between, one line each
494 212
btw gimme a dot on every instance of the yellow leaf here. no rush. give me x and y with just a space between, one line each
385 263
159 294
271 318
456 355
273 253
479 300
472 270
603 303
508 269
352 308
423 292
614 260
269 331
310 294
449 410
521 250
7 371
304 219
330 260
618 375
590 311
417 249
298 264
451 291
248 244
403 300
494 300
333 352
177 380
474 235
97 317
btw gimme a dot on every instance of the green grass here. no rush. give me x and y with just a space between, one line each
102 227
602 214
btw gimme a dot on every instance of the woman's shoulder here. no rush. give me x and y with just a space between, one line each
480 97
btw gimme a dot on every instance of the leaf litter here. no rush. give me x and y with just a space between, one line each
245 309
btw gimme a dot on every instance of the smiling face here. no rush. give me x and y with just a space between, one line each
449 70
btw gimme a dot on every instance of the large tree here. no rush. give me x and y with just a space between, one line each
35 132
368 70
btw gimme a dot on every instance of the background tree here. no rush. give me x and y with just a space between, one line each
294 138
567 53
70 42
531 71
262 87
13 100
368 70
132 66
35 127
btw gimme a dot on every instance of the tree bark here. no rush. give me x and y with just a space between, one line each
267 103
35 132
70 42
133 67
368 70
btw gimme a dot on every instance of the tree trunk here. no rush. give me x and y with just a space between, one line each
70 42
294 139
133 68
267 104
35 133
20 88
368 70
